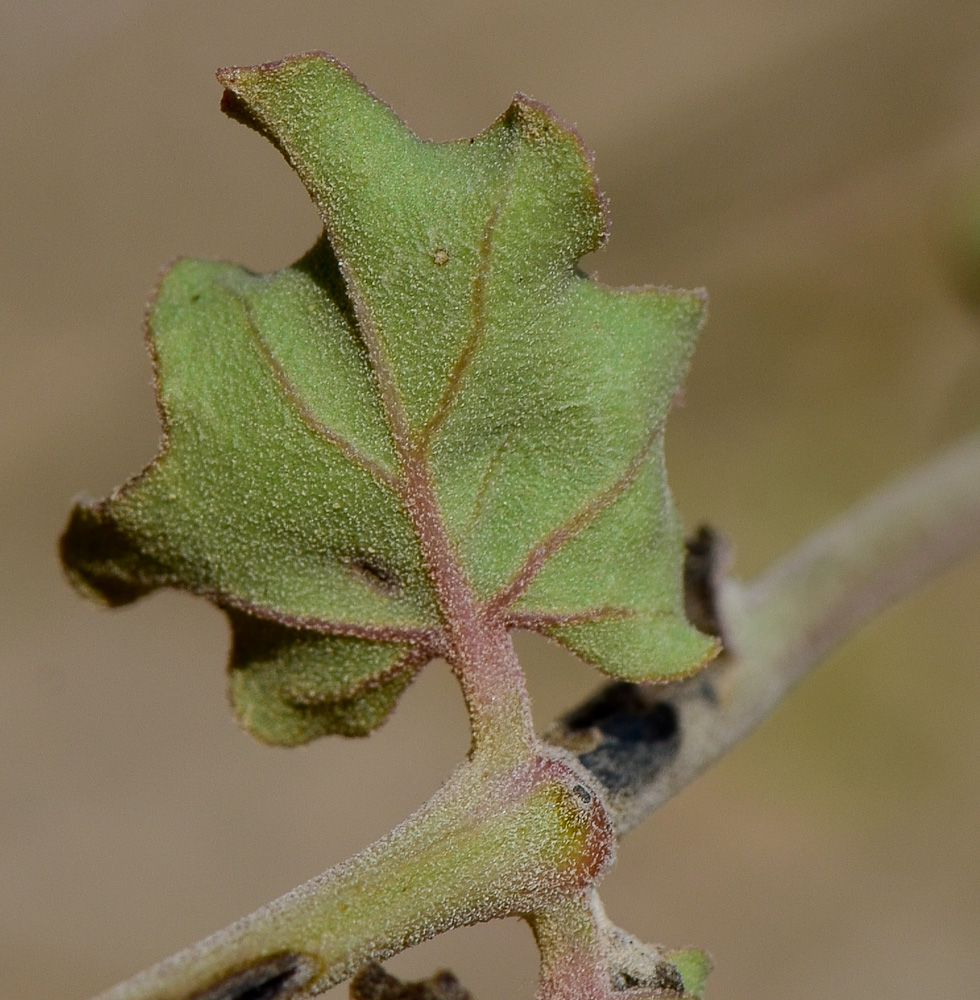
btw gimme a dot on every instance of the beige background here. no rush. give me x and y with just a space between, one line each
802 160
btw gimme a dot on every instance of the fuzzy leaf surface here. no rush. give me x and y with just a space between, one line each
437 350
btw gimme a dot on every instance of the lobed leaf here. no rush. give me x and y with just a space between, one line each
435 364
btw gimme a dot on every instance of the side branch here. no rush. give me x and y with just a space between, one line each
860 564
775 629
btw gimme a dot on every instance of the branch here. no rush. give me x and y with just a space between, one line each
487 845
644 743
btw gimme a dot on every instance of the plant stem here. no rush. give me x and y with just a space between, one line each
523 841
485 846
481 651
573 966
859 565
784 623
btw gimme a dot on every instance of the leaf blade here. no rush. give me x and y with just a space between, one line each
438 339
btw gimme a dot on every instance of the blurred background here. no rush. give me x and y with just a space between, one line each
815 166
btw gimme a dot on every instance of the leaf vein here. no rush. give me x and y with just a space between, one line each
478 310
347 448
539 555
429 638
536 621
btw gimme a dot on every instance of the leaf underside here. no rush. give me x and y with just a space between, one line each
441 316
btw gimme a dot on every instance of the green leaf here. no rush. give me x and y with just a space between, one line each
289 686
694 966
433 406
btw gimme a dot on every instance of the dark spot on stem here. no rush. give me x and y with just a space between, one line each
610 701
665 980
635 733
708 691
274 978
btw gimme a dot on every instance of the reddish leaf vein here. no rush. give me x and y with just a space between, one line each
551 543
309 418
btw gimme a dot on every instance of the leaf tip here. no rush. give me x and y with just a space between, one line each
231 77
536 122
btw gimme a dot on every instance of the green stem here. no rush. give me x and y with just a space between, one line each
485 846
